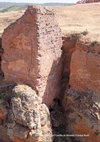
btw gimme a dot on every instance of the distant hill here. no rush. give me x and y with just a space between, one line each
87 1
12 3
56 4
12 8
7 6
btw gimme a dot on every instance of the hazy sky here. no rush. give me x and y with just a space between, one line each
40 1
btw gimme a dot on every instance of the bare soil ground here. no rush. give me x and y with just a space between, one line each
79 18
72 19
7 18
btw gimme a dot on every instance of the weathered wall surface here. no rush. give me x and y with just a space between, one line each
81 99
32 51
49 56
19 44
85 67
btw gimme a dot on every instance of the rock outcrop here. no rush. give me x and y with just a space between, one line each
25 119
82 110
32 52
87 1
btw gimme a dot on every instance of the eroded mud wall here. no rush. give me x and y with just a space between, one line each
32 52
82 96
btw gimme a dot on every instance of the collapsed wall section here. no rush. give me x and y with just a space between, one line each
32 51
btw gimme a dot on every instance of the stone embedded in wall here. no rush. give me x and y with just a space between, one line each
32 51
27 118
85 67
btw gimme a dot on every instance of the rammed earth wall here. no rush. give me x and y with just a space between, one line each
32 51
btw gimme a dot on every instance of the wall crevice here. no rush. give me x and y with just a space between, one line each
1 52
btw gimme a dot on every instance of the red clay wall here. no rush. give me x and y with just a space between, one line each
85 67
32 51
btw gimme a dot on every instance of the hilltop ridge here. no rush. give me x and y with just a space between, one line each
87 1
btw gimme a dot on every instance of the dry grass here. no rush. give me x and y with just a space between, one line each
7 18
72 19
79 18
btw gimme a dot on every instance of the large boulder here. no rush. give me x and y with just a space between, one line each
27 119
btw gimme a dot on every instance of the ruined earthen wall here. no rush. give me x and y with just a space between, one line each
82 97
85 67
32 51
49 55
20 44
